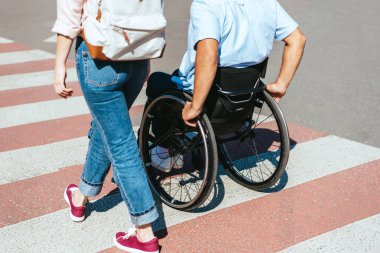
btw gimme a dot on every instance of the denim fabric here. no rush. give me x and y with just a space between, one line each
110 89
159 82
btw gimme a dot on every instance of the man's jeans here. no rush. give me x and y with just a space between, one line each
159 82
110 89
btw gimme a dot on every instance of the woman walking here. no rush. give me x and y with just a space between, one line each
109 88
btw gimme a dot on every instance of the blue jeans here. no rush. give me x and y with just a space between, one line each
159 82
110 89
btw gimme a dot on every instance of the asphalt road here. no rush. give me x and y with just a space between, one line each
336 88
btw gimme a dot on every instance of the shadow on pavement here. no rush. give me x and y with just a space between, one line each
218 192
113 198
107 202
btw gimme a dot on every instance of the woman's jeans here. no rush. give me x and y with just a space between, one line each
110 89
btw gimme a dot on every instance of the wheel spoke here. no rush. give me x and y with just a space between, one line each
274 157
256 125
160 140
183 186
257 118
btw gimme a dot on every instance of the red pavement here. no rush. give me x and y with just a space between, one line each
39 195
50 131
34 94
280 220
12 47
28 67
53 131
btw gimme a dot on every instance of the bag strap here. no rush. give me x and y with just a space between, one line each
99 16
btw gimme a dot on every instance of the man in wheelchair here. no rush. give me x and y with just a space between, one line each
224 36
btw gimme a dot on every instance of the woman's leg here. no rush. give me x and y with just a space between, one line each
102 87
97 158
97 164
139 71
135 82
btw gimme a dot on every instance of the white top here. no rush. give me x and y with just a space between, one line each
70 14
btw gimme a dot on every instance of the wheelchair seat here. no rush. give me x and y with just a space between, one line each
232 97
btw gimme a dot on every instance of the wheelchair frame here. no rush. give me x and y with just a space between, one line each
214 146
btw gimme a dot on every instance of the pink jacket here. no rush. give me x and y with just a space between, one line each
70 14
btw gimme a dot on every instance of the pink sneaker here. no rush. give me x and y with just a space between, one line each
77 213
128 241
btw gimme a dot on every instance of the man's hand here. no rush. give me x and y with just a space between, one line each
276 90
206 63
291 58
189 113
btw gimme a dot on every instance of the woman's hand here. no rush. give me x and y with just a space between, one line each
60 82
189 113
62 52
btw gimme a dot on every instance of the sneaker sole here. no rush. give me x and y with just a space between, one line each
73 218
131 250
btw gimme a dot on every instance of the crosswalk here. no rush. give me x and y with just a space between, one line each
24 56
34 79
330 202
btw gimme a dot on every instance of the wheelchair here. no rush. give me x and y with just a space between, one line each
241 124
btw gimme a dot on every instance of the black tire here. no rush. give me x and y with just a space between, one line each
197 145
243 161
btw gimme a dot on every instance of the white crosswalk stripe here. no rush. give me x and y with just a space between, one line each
35 79
48 110
41 111
360 236
4 40
24 56
38 160
52 39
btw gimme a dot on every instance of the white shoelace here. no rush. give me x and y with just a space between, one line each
130 232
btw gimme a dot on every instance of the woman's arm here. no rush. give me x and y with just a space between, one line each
62 52
67 26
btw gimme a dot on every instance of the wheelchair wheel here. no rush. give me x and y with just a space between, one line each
256 155
188 186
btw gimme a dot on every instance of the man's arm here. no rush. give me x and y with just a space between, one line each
291 58
206 63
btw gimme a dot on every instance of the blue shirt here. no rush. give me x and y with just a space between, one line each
245 30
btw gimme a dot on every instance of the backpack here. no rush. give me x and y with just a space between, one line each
126 30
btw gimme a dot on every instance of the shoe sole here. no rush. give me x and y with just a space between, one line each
73 218
131 250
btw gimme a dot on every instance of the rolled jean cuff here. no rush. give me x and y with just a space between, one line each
89 190
146 218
